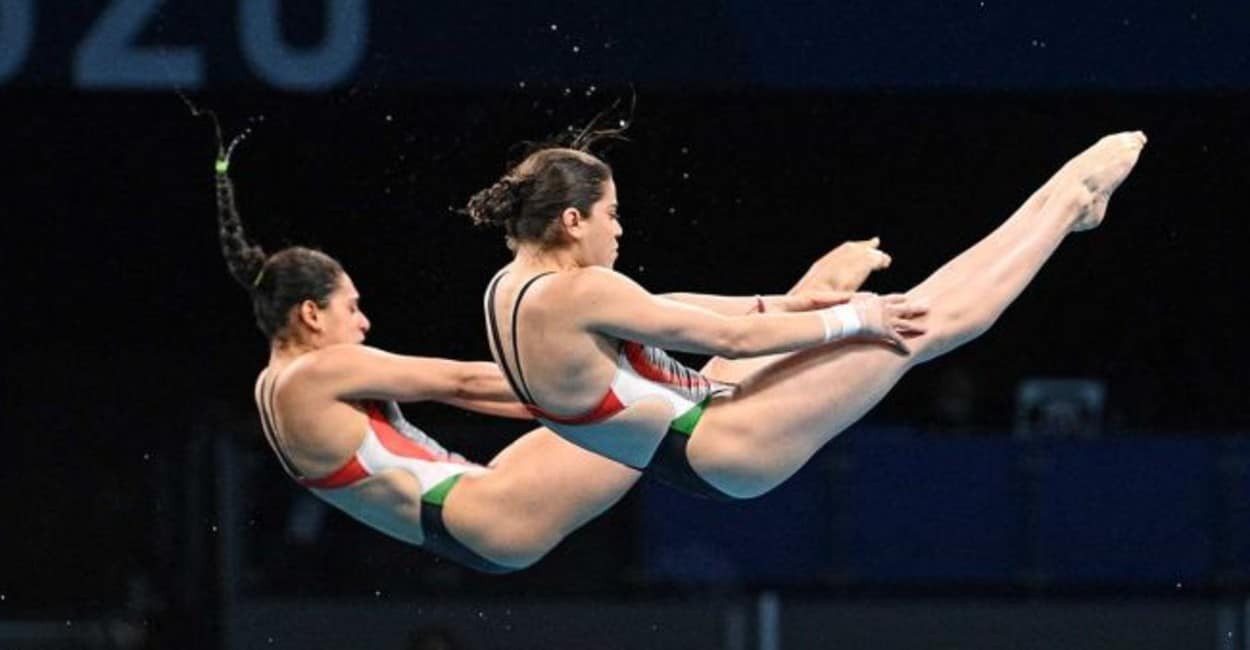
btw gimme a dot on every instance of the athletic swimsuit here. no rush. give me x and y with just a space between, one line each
641 372
392 442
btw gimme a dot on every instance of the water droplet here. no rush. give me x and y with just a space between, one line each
69 623
481 615
685 150
214 528
390 118
269 640
1178 585
623 123
607 46
576 49
377 593
146 456
685 176
2 597
521 84
672 210
568 91
554 27
1193 15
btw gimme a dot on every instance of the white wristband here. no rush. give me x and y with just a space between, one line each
848 320
825 315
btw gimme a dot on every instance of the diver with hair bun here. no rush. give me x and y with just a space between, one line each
583 345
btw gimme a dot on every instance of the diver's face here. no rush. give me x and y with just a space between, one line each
602 229
342 319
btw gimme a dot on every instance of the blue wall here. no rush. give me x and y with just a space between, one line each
896 507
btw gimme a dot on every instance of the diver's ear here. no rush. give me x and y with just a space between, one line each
573 223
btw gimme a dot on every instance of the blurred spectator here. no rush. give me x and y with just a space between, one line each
434 637
954 401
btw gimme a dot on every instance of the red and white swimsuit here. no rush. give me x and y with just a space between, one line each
642 372
391 442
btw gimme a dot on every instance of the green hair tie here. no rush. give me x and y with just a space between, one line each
259 276
222 165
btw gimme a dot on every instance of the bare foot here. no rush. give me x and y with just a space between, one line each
1100 169
845 268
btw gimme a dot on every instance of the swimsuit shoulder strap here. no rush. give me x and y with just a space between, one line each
517 382
266 389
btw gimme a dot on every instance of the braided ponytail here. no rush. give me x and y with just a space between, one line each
277 284
244 258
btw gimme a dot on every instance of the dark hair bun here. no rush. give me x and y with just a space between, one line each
498 204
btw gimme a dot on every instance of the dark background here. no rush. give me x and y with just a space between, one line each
761 138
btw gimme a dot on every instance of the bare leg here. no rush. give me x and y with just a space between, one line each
1002 264
820 276
784 413
540 489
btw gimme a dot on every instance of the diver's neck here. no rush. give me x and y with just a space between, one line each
537 258
283 352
